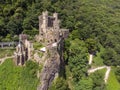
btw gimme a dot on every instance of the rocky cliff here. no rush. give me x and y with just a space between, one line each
50 69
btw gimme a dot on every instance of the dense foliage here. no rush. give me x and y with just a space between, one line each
77 58
93 24
59 84
117 72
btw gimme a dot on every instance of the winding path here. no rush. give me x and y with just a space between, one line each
107 74
95 69
3 59
90 59
99 68
92 70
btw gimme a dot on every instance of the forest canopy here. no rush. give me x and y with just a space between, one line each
93 24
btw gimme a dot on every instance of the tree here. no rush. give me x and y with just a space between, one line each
117 73
110 57
84 84
91 45
77 59
14 27
98 83
59 84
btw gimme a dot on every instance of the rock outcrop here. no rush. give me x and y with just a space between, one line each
52 37
50 69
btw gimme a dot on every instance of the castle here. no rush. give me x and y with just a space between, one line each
50 35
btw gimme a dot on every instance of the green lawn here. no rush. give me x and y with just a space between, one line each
18 78
113 84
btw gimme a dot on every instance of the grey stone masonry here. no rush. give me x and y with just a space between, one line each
23 50
49 29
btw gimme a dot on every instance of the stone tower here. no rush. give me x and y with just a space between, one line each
49 29
20 54
23 50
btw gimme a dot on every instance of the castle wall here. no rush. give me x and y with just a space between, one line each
23 50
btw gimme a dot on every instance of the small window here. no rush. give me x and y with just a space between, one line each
55 40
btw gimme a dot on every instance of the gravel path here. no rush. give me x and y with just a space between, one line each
99 68
107 74
90 59
95 69
3 59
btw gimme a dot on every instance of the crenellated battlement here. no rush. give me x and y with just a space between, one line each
49 29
